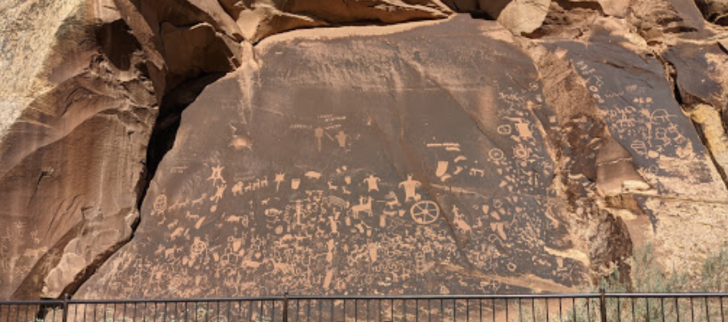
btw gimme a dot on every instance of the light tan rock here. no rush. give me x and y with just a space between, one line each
709 120
518 16
715 11
262 18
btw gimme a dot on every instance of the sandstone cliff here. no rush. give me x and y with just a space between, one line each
209 148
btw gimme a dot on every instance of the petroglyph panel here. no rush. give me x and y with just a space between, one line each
641 113
386 176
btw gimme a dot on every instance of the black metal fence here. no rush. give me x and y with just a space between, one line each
597 307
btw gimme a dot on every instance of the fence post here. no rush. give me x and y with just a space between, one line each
66 297
603 303
285 306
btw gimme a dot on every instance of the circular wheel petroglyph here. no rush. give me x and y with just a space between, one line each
425 212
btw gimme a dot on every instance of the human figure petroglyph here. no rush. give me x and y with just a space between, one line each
372 182
410 187
216 175
280 177
334 223
219 193
318 133
341 138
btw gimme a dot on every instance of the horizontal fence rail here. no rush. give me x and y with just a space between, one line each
588 307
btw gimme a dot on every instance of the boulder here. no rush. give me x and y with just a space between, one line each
518 16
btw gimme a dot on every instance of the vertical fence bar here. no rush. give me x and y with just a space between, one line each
66 297
707 312
647 301
619 311
677 308
603 303
493 304
546 302
506 299
285 306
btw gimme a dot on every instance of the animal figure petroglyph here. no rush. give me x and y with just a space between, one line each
238 188
363 207
197 202
393 200
313 175
191 216
273 212
240 141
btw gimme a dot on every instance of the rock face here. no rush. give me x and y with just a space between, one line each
194 147
356 182
71 163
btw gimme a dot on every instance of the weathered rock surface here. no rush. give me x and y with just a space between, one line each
518 16
530 153
71 163
259 19
715 11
